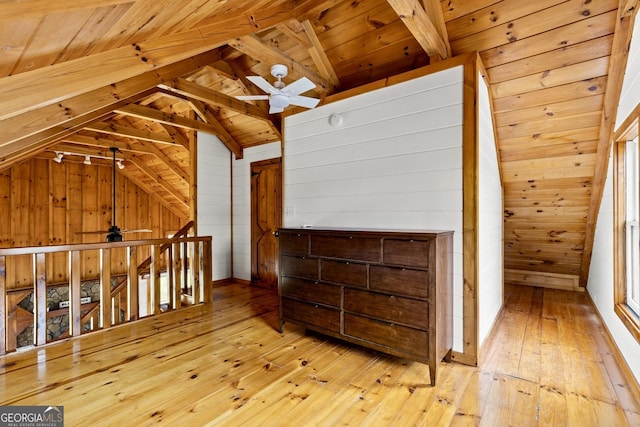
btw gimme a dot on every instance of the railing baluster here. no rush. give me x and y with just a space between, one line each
195 266
105 288
176 282
207 273
154 276
75 288
132 284
40 306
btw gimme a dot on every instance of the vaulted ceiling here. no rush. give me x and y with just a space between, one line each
142 75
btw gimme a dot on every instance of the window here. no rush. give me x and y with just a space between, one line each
627 224
632 221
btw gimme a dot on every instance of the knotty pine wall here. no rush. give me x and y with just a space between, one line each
600 283
46 203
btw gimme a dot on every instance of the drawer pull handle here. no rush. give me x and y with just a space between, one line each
347 263
315 306
404 269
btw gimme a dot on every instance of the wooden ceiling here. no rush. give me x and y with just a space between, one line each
80 76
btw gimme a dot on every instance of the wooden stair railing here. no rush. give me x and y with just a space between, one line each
145 265
142 268
184 254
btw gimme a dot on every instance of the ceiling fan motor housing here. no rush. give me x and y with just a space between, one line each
279 71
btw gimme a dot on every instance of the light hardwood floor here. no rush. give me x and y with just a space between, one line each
548 363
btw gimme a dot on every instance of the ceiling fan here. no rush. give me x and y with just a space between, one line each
114 234
280 96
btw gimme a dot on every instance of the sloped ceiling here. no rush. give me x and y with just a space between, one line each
142 75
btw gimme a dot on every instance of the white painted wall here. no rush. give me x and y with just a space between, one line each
394 162
242 206
490 223
600 284
214 200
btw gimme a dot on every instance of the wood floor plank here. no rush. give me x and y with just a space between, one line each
548 363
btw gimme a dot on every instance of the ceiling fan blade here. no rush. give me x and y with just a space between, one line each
252 97
304 101
299 86
140 230
274 110
263 84
93 232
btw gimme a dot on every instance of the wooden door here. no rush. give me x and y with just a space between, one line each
266 217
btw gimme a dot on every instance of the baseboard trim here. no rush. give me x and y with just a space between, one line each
567 282
634 386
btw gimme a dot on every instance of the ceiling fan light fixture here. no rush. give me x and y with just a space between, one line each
279 101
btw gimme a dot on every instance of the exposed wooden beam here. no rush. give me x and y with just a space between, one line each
174 120
423 29
158 179
128 132
33 131
209 96
319 56
45 86
615 78
166 160
176 135
227 139
152 191
93 141
434 12
293 29
254 47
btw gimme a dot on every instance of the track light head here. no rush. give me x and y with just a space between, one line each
58 157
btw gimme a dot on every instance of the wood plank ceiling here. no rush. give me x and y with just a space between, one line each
81 76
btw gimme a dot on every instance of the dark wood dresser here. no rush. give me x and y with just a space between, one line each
387 290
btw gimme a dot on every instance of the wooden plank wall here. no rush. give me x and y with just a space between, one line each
395 161
46 203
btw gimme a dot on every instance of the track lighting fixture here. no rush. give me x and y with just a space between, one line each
87 158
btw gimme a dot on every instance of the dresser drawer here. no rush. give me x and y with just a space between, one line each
347 247
388 307
315 292
401 338
312 315
299 267
398 280
410 252
293 243
346 272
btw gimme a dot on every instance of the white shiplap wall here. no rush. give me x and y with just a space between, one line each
394 162
600 284
214 201
490 230
242 206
